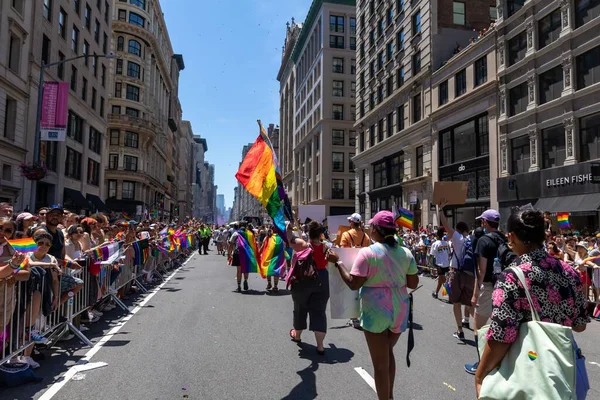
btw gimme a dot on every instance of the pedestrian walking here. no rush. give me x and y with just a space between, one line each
440 251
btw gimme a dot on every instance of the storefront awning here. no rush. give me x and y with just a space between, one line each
576 203
96 201
76 198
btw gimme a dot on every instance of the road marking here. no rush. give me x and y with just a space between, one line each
62 381
363 374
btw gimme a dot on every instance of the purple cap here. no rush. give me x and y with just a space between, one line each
384 219
490 215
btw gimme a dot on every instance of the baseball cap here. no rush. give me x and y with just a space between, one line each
356 218
26 215
384 219
57 209
490 215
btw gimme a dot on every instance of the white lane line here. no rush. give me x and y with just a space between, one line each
365 375
55 388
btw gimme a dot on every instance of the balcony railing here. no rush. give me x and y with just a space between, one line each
133 121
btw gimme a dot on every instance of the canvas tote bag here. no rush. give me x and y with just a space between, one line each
540 364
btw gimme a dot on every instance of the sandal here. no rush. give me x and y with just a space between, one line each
293 336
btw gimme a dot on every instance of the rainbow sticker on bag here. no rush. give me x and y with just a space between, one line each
532 355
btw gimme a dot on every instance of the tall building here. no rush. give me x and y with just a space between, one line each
549 113
200 178
400 44
144 112
221 204
321 88
16 29
186 172
212 193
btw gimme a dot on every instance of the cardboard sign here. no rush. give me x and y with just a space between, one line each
450 192
313 212
340 231
335 221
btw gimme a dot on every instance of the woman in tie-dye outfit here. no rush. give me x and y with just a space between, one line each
383 272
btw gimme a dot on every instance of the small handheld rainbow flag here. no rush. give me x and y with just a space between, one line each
24 245
403 217
21 266
446 289
563 220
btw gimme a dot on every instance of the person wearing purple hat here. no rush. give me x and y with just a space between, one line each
383 273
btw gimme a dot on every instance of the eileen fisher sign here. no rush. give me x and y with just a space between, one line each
568 180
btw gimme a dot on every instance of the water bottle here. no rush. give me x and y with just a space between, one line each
497 267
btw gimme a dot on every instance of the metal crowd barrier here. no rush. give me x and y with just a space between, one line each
26 306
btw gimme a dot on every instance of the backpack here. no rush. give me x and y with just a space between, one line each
467 261
304 267
504 253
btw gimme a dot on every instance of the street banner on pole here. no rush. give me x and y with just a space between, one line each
54 111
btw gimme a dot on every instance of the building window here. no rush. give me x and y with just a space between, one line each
481 71
86 49
119 67
520 155
60 68
95 141
336 42
351 188
549 28
353 66
73 164
443 93
416 23
416 63
14 53
115 110
390 16
73 78
84 89
463 142
136 19
94 99
372 37
338 65
390 124
48 10
379 174
337 160
493 14
113 161
104 43
106 11
380 60
75 127
517 47
45 49
338 111
93 172
372 136
514 6
380 27
130 163
115 136
122 15
390 50
460 83
75 40
372 69
133 69
133 93
551 84
416 108
112 189
352 111
102 106
553 147
517 99
77 6
458 13
120 43
389 89
352 43
400 118
400 40
380 131
87 17
585 11
338 88
97 31
135 48
51 156
589 137
62 22
352 26
95 65
132 112
337 188
140 3
361 142
338 137
400 77
128 190
131 139
419 161
10 118
363 181
372 101
352 139
588 68
118 87
380 94
336 24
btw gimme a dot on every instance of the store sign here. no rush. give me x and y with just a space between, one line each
461 168
569 180
412 197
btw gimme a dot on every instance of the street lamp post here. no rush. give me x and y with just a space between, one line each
38 119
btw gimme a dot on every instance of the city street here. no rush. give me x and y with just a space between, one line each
197 339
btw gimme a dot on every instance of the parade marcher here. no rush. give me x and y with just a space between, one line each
355 237
440 251
382 273
234 251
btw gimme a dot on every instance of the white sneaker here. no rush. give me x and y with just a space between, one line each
30 361
66 337
110 307
83 328
97 313
91 317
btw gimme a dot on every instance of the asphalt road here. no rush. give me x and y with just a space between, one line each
197 339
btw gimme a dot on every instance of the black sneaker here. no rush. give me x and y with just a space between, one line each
434 295
459 335
245 285
239 289
466 325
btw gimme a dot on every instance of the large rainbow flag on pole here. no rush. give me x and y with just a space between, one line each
272 257
248 252
259 174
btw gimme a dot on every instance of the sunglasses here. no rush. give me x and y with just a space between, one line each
46 244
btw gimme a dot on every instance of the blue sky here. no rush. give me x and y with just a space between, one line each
232 53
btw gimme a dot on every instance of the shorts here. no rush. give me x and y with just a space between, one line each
68 282
462 285
484 302
235 260
442 270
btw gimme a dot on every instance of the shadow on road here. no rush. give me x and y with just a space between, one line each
253 292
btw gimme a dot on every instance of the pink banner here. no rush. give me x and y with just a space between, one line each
54 111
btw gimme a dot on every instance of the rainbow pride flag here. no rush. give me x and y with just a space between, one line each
446 289
141 250
248 252
563 220
403 217
258 174
24 245
126 216
272 257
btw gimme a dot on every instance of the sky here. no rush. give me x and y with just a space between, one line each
232 53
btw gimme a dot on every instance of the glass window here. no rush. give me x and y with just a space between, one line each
133 69
130 163
588 68
396 168
120 43
416 108
380 60
115 110
122 15
112 189
352 139
380 27
389 89
464 141
553 146
419 161
337 137
520 155
73 164
75 127
481 71
336 23
443 93
458 12
352 26
131 139
133 93
132 112
336 42
48 10
416 23
351 188
135 48
379 174
589 137
416 63
390 124
517 99
390 16
361 142
390 50
338 65
137 19
401 40
75 40
517 47
338 111
585 11
353 66
549 28
73 78
119 67
446 147
400 77
372 136
128 190
118 90
352 43
115 136
337 159
400 118
380 131
460 83
337 188
140 3
62 22
113 161
338 88
514 6
95 141
87 16
493 14
550 84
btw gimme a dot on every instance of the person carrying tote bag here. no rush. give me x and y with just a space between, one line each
528 350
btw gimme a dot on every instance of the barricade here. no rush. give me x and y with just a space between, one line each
26 306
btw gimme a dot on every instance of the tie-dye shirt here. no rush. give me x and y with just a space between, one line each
384 300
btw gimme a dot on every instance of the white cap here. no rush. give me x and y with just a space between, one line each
356 218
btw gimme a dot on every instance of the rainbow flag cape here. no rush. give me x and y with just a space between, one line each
403 217
24 245
563 220
259 175
248 252
141 250
272 257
